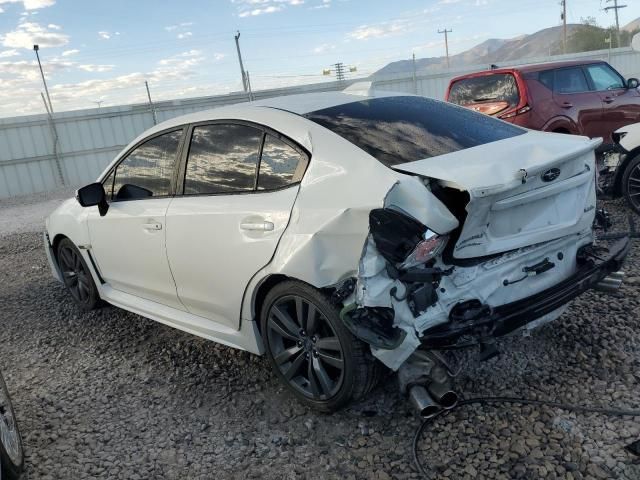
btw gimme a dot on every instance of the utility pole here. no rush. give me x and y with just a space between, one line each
56 139
340 71
446 42
35 49
615 8
415 81
563 16
244 74
98 102
153 109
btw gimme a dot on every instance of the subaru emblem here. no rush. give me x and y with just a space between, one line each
550 175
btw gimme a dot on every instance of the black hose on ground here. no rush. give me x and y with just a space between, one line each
617 412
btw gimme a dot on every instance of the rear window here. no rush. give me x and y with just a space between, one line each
498 87
397 130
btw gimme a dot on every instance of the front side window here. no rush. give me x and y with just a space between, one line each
570 80
222 159
280 164
399 129
147 170
604 77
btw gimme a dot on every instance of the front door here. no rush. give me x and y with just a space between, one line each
128 243
572 94
238 196
621 105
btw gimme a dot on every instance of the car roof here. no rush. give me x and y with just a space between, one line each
534 67
299 104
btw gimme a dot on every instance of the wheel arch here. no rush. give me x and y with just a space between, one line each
561 125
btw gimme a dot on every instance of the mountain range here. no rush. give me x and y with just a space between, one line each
539 44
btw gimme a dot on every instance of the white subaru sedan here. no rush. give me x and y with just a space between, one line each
335 232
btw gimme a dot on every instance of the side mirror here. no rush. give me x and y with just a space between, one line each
633 83
91 195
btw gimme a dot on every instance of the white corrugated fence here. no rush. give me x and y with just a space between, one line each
89 139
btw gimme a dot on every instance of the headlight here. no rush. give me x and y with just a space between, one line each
429 248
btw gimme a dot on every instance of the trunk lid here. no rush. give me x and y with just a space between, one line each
523 190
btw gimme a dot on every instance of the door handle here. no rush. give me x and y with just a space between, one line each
608 99
152 226
567 105
263 226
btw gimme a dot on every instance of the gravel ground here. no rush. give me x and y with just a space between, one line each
109 394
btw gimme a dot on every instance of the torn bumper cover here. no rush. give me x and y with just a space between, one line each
594 265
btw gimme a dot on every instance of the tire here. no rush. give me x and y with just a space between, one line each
631 184
11 451
77 276
315 356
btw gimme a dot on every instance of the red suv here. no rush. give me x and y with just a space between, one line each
581 97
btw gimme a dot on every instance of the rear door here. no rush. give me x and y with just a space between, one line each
576 100
621 106
238 188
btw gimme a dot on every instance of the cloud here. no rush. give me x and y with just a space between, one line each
171 28
1 10
96 68
324 4
105 35
253 8
66 53
324 48
260 11
30 4
29 33
9 53
184 35
448 2
380 30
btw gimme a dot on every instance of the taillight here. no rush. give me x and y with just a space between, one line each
514 113
432 246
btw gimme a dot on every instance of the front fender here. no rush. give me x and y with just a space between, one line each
68 220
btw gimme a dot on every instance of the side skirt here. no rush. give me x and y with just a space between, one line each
247 338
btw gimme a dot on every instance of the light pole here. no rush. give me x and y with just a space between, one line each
35 49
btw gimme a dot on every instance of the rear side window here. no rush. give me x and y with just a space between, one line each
280 164
222 159
570 80
401 129
148 169
498 87
604 77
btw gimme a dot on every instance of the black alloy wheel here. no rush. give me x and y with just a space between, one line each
305 347
11 452
76 275
631 184
310 349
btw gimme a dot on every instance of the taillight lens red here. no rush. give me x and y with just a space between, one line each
514 113
429 248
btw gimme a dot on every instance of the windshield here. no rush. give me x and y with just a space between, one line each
397 130
499 87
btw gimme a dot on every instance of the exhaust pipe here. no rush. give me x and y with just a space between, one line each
442 394
610 283
423 403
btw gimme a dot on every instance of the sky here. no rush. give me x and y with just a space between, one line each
100 52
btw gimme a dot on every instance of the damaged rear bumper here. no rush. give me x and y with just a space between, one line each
594 266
